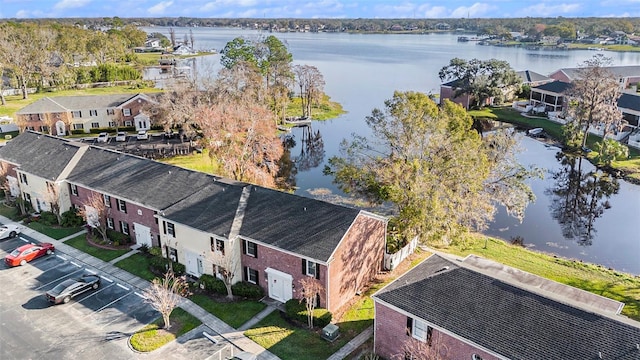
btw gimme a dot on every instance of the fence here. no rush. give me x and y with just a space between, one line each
392 260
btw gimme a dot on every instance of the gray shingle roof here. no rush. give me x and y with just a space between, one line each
529 76
508 320
617 71
147 182
69 103
38 154
301 225
557 87
629 101
210 209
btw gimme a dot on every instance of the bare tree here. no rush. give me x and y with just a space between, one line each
165 294
311 287
95 213
430 349
172 37
226 263
192 39
311 83
4 181
594 98
52 196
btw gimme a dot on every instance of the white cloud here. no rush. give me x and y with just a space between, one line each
70 4
548 10
476 10
21 14
159 8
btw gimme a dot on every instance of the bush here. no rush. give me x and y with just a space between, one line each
297 310
71 219
159 264
178 269
48 218
144 248
118 238
155 251
213 284
247 290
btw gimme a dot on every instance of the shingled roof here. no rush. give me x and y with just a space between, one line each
557 87
70 103
304 226
38 154
506 319
629 101
618 71
151 183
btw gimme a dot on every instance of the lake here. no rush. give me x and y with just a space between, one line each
361 71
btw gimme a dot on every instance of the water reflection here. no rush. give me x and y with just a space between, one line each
311 156
579 197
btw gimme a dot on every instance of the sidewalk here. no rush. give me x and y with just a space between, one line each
234 336
227 332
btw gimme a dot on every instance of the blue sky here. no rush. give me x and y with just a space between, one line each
319 8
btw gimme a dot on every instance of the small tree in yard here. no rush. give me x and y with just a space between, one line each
310 289
226 265
165 294
95 213
52 196
431 349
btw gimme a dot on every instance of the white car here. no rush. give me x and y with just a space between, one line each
103 137
121 136
9 231
142 135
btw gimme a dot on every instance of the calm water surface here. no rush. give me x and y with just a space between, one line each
361 71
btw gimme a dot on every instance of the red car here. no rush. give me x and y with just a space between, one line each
26 253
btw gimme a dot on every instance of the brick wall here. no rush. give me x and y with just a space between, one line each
357 260
448 93
134 214
391 334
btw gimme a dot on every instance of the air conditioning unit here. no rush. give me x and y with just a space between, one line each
330 332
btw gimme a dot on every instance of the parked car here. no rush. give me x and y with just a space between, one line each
103 137
121 136
70 288
143 135
26 253
9 231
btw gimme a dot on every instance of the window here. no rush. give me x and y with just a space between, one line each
169 229
93 112
112 124
95 125
76 114
173 254
476 357
124 227
78 126
250 248
110 223
23 178
122 206
128 123
74 189
110 112
107 200
251 275
126 112
217 245
310 268
422 331
44 129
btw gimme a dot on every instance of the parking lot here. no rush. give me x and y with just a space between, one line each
156 146
87 327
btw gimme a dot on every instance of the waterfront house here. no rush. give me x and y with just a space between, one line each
478 309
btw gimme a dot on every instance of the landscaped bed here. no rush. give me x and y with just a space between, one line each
152 337
80 242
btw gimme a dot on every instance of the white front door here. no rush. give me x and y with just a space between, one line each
61 128
279 285
143 234
192 263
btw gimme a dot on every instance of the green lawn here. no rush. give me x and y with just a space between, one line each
138 265
54 232
593 278
10 212
80 242
152 337
233 313
196 161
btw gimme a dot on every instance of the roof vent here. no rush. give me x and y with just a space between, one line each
599 355
442 269
305 208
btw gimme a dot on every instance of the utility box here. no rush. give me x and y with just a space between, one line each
330 332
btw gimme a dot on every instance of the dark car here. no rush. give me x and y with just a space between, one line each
70 288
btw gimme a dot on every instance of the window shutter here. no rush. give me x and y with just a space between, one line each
409 326
304 267
257 277
317 271
164 227
255 246
244 247
245 275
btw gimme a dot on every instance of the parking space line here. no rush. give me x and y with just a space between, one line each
90 271
60 278
101 289
140 295
65 259
109 280
124 287
23 239
113 302
76 265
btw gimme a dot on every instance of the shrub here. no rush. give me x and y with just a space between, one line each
155 251
144 248
159 264
48 218
71 219
247 290
296 310
178 268
118 238
213 284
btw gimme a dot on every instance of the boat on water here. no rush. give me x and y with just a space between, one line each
298 121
